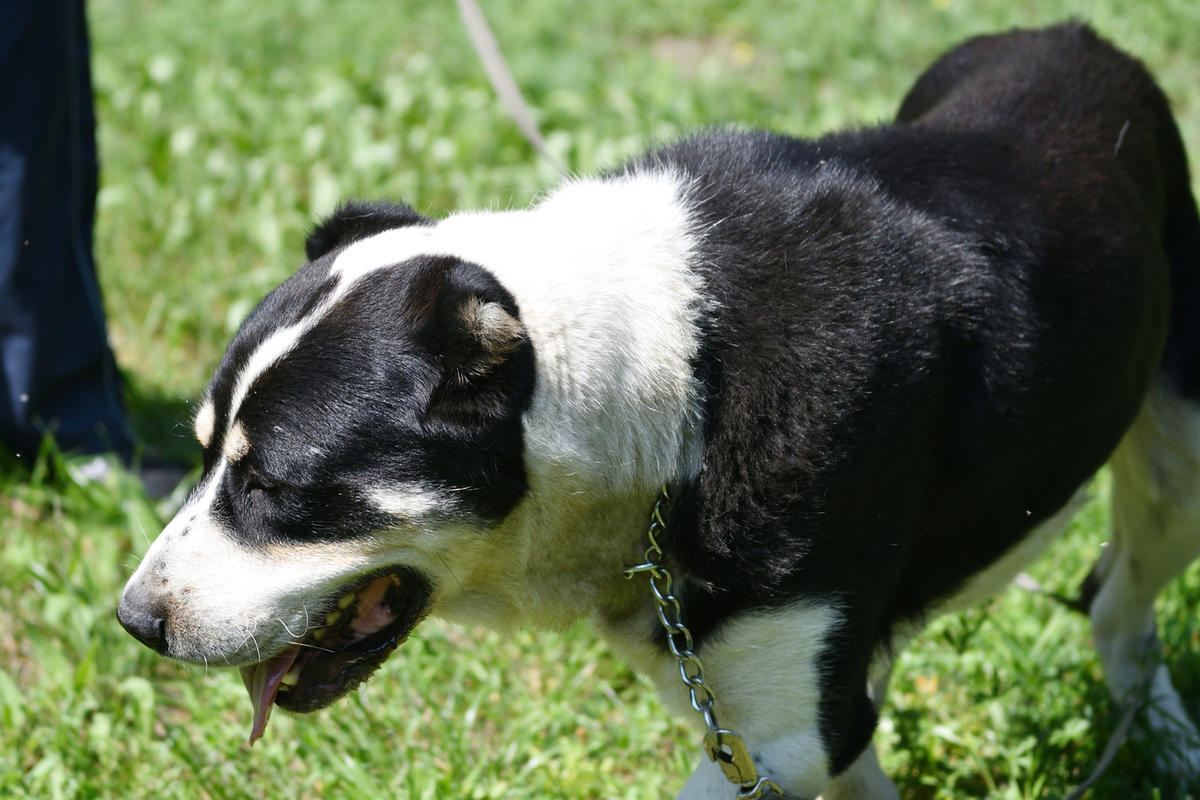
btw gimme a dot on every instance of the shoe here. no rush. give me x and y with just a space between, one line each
158 477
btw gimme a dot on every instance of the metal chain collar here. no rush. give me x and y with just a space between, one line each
723 746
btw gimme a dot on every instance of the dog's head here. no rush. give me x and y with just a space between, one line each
469 417
363 425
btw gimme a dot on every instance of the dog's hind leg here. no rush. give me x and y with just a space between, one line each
1156 534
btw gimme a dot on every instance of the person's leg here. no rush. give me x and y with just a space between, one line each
56 369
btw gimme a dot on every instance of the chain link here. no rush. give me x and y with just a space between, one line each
724 747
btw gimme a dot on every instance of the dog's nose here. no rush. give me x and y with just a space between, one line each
145 620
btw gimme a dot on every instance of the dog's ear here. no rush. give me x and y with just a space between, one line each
470 323
358 219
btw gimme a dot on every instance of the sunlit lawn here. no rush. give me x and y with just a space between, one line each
226 129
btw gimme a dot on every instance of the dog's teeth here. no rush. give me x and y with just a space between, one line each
290 679
318 634
346 601
332 617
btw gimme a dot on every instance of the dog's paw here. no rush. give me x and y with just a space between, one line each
1166 730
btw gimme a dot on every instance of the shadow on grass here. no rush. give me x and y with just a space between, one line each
161 424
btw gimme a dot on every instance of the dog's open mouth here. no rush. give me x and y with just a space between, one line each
364 627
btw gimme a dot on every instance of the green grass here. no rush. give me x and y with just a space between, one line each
226 128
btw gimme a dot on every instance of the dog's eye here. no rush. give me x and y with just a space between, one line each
259 487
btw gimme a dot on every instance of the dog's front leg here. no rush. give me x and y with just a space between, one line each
863 780
772 672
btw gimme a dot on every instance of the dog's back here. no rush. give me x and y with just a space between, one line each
1073 99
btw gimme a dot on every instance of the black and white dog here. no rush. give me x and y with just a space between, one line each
877 369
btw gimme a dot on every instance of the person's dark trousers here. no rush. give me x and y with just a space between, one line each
57 372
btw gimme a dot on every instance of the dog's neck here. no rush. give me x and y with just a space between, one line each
565 552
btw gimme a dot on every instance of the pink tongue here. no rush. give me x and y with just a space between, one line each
262 681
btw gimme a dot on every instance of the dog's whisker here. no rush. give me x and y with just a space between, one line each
145 533
450 569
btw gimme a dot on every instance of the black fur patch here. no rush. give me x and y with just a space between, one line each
358 219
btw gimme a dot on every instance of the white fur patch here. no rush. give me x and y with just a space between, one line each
408 501
765 669
204 423
236 444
